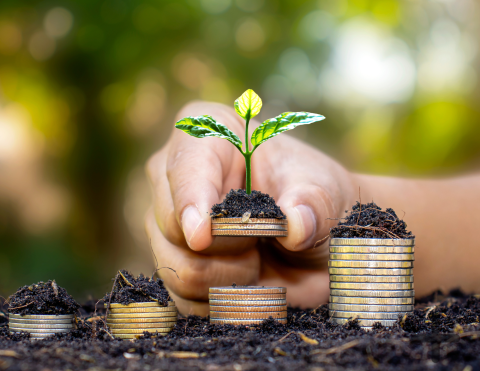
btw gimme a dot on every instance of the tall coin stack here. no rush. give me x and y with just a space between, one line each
41 326
371 280
130 321
247 305
254 227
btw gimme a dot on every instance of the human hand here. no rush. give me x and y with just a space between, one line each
189 175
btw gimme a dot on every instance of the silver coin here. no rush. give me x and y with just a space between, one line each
371 286
372 242
369 264
367 315
224 321
146 304
373 294
42 316
374 301
40 321
369 308
246 226
371 279
371 271
247 290
248 303
42 325
39 330
373 257
372 249
365 322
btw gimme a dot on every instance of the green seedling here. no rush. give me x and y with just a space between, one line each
247 106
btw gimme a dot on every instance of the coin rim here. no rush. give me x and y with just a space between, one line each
259 289
357 315
371 271
226 220
336 241
371 285
365 279
42 316
371 256
145 304
369 298
332 307
244 315
372 264
371 293
354 249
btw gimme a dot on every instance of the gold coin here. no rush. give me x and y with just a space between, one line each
247 290
141 315
139 330
371 271
373 257
42 316
368 315
365 322
140 305
248 303
144 310
248 226
370 279
243 321
249 233
369 308
379 301
39 330
41 321
373 294
251 220
64 326
371 286
141 325
372 249
247 297
369 264
140 320
216 308
371 242
243 315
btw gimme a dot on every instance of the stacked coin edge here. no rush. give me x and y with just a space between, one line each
41 326
132 320
371 280
252 227
247 305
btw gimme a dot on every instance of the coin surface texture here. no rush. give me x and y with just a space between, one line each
374 301
142 315
139 330
368 315
365 322
249 232
370 271
139 305
246 226
141 325
372 242
65 326
224 321
144 310
42 316
250 290
41 321
373 257
369 264
248 303
372 249
217 308
251 220
245 315
371 286
373 294
370 308
371 279
140 320
247 297
39 330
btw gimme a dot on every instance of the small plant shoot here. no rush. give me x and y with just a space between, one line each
247 106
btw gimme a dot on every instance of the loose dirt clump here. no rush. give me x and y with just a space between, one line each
128 289
42 298
369 221
237 202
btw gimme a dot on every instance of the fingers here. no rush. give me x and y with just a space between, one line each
199 272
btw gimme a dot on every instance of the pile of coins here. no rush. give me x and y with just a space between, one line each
252 227
247 305
371 280
41 326
132 320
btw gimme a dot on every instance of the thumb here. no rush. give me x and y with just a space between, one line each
308 209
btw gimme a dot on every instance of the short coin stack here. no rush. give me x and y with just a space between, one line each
130 321
371 280
247 305
252 227
41 326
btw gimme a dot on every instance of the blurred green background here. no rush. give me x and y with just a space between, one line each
89 89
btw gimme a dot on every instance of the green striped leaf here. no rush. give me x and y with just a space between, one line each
248 105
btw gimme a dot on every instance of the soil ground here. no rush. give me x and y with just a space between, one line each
442 334
237 202
369 221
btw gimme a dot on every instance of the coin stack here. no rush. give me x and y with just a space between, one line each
252 227
371 280
247 305
41 326
130 321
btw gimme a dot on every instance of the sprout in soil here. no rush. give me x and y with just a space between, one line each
247 106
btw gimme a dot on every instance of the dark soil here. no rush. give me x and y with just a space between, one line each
128 289
443 333
237 202
42 298
369 221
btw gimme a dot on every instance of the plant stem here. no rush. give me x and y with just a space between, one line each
248 159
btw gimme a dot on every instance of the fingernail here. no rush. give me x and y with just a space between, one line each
191 220
308 222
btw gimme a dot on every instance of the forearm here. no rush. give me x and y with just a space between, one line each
444 216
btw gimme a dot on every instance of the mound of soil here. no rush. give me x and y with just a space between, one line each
443 334
237 202
42 298
369 221
128 289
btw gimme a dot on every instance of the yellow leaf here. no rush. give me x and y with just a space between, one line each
248 104
279 351
307 340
